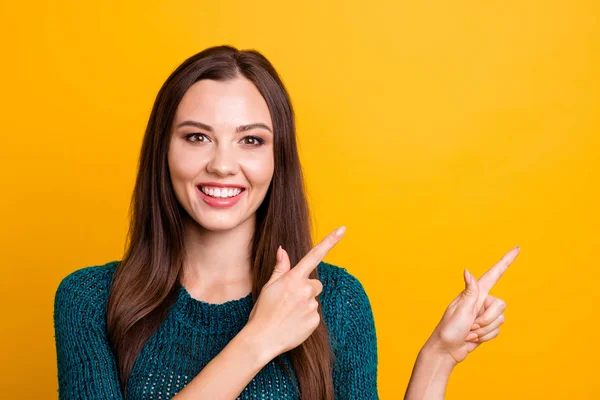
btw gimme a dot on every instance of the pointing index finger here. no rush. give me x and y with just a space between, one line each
310 261
491 277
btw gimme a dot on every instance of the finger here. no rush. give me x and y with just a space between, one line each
491 277
472 346
491 313
489 336
469 296
313 305
489 300
490 327
484 301
281 267
317 286
310 261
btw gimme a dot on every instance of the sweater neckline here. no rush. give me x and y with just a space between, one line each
207 317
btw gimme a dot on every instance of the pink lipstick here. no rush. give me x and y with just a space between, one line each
220 202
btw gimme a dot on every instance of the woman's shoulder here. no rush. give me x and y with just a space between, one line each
337 280
85 289
346 307
342 291
352 334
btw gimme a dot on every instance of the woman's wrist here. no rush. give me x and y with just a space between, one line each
430 374
435 356
258 348
438 362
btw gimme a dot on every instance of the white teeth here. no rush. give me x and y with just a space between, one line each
221 192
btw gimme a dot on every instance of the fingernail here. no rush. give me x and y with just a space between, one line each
278 255
340 231
475 326
518 247
467 276
471 336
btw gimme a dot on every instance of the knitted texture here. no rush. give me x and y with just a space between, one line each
193 333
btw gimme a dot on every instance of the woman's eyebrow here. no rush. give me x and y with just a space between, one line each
241 128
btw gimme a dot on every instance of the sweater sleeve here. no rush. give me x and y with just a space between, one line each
86 365
356 365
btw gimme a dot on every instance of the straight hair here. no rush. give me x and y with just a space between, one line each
148 278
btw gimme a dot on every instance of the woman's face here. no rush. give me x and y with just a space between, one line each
221 152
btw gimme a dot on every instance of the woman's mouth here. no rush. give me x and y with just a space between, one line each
220 196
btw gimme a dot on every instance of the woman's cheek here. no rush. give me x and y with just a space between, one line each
259 171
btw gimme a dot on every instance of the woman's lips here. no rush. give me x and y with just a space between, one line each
220 202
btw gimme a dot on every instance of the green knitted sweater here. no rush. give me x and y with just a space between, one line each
193 333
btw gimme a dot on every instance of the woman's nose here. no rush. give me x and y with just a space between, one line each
223 162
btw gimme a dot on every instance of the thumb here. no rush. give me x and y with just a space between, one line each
282 266
471 292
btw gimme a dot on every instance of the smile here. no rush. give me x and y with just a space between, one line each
220 192
220 196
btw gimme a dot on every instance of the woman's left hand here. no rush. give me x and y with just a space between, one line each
473 317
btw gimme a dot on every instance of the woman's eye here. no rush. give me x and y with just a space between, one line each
253 141
192 137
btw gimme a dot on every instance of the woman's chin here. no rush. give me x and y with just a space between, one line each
219 224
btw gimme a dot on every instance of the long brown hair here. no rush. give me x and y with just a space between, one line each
148 277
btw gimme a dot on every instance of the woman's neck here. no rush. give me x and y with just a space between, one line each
217 267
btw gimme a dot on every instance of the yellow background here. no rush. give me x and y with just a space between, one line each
441 133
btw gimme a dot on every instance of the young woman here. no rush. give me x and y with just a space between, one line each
219 294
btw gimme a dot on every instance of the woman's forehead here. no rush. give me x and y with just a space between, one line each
223 103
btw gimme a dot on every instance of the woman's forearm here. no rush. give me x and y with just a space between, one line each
226 375
429 376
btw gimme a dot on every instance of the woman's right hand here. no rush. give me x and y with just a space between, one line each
285 313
